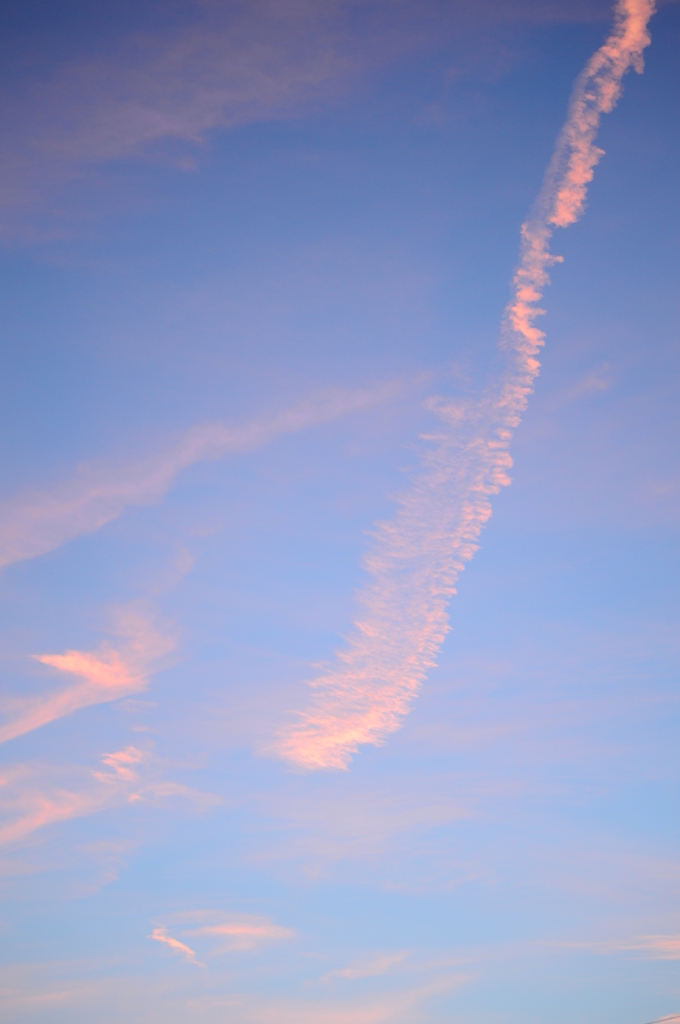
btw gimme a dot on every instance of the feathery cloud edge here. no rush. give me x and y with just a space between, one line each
418 555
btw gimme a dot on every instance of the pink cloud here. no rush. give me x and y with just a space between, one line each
122 762
387 1008
31 989
596 93
228 65
651 947
155 792
105 676
595 382
48 811
230 933
371 968
31 804
657 947
33 524
414 566
418 556
160 935
31 796
243 933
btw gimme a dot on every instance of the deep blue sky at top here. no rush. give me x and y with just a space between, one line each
377 233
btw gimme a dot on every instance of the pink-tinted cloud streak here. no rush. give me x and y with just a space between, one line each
31 525
649 947
161 935
102 677
372 968
224 65
35 796
27 806
418 556
48 810
243 933
226 933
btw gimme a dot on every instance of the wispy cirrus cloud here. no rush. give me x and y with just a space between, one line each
595 382
413 568
121 762
648 947
180 996
222 66
102 676
220 932
417 557
373 967
160 935
35 523
30 800
164 90
321 832
40 810
231 933
386 1008
34 796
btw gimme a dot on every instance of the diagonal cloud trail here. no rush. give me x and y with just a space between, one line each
102 677
161 935
418 556
32 525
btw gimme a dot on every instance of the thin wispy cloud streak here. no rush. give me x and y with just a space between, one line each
648 947
229 933
102 676
372 968
26 807
417 557
34 796
34 524
161 935
243 934
48 810
162 93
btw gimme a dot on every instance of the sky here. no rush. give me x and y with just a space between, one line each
339 512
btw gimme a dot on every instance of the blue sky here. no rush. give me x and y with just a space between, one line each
265 361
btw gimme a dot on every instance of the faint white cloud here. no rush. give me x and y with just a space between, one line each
33 524
595 382
372 967
162 94
648 947
349 825
181 996
387 1008
233 65
158 792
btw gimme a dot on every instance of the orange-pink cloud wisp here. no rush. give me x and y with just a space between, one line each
418 556
33 796
48 810
105 676
243 933
33 524
161 935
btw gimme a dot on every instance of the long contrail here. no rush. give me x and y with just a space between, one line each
417 556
